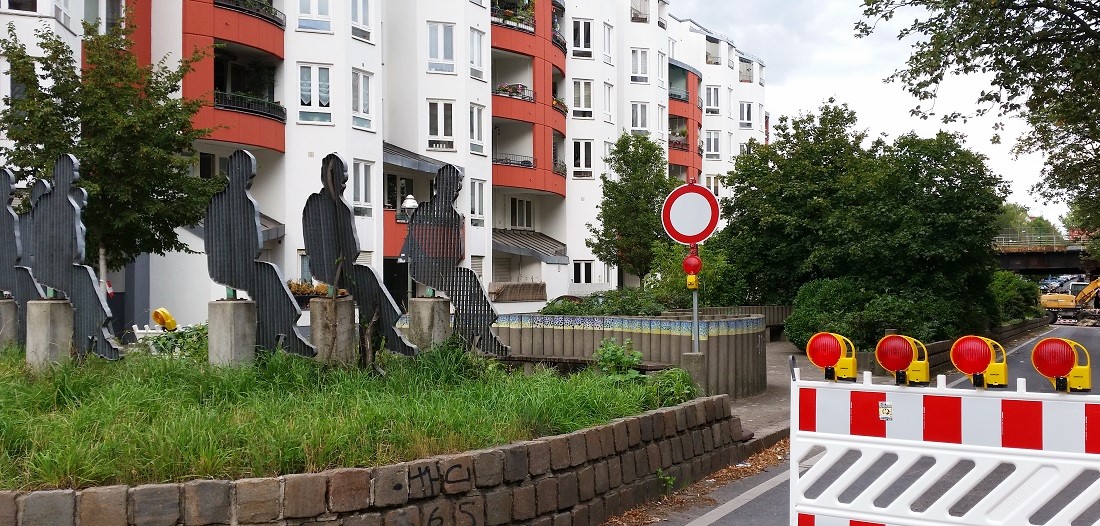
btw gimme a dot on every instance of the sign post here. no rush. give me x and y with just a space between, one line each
690 215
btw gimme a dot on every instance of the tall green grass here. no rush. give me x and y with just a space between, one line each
159 418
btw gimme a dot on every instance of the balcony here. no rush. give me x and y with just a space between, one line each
257 8
513 17
678 142
560 168
639 11
661 23
560 105
559 40
511 159
714 59
678 93
249 104
515 91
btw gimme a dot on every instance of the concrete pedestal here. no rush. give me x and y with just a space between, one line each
9 322
232 327
333 329
696 365
429 321
49 332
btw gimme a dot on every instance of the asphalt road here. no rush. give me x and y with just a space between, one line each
764 500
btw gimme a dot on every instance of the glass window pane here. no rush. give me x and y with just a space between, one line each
304 83
448 42
322 87
433 119
433 40
322 7
447 119
304 7
355 91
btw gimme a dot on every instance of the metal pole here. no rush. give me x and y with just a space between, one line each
695 321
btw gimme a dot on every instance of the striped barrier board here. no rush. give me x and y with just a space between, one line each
864 454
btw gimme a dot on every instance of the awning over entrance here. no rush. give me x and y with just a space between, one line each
413 161
531 244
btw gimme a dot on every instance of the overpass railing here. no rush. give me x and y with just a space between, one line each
1023 238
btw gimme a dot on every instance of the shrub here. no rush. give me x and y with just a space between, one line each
618 361
668 387
1015 298
191 342
622 302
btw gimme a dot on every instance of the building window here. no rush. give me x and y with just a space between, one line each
20 5
360 19
608 102
360 187
582 99
522 214
303 267
662 117
639 65
395 190
760 76
743 148
745 71
313 15
477 127
761 112
441 47
732 100
733 146
582 38
582 159
639 118
477 61
61 12
360 99
477 264
314 89
662 67
607 43
582 272
711 103
477 202
746 114
712 183
441 125
713 148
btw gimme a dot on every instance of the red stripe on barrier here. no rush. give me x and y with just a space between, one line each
1092 428
865 419
943 419
861 523
805 520
1022 424
807 409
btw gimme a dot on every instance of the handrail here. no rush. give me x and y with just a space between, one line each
512 159
515 91
559 40
515 20
560 168
249 104
256 8
678 143
560 105
678 93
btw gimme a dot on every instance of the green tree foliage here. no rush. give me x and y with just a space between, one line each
1015 220
1015 297
718 283
629 216
132 135
630 301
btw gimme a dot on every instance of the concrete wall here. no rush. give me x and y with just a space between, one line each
580 478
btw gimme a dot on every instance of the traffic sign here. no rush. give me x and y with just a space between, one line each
690 214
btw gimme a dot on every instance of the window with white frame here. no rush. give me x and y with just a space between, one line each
477 127
582 272
19 5
713 149
303 267
477 54
744 72
360 99
441 47
760 121
732 100
672 47
712 183
61 12
733 146
477 202
639 117
639 65
582 98
313 15
582 38
582 159
711 100
608 102
662 68
608 43
662 117
360 187
522 214
314 88
760 75
441 125
360 19
746 114
607 147
744 148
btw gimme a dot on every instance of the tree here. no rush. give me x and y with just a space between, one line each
667 279
1015 219
132 136
629 217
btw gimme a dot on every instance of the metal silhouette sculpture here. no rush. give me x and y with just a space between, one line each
233 242
15 277
435 248
333 246
56 257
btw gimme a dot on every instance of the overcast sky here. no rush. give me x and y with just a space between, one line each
812 54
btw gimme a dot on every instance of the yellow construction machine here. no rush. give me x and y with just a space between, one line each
1075 305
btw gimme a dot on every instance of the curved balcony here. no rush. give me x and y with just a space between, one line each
247 104
515 91
678 142
542 180
559 41
560 168
675 93
513 18
257 8
511 159
560 105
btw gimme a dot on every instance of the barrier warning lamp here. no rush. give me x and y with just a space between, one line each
976 357
163 318
1058 360
901 355
692 266
833 353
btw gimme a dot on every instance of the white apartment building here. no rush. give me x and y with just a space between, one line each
525 96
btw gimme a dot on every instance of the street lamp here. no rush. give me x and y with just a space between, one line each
408 206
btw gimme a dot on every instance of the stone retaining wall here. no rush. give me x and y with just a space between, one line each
577 479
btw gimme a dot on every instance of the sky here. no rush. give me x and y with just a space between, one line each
811 53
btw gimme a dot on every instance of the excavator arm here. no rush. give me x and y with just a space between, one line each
1088 293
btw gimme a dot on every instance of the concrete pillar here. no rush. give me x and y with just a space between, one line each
333 329
696 365
9 322
429 321
49 332
232 328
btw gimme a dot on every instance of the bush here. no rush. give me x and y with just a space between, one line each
619 362
668 387
622 302
1015 298
191 342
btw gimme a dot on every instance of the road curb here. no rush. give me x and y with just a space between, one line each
765 438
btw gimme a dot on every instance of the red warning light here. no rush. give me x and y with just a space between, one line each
894 353
692 265
971 355
1053 357
824 349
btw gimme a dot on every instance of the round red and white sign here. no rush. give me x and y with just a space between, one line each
690 214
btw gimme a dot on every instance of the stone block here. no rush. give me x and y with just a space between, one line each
538 457
657 420
677 450
708 439
9 321
102 506
593 443
620 431
9 510
665 449
607 440
600 483
390 486
348 489
654 460
542 521
697 442
334 330
489 468
515 462
523 502
578 454
429 321
630 467
458 473
407 516
691 416
716 434
364 519
615 470
155 504
579 514
49 332
546 495
633 432
735 430
669 423
47 508
612 502
305 495
681 418
641 463
645 428
586 483
562 519
438 512
232 331
257 500
688 446
424 479
697 469
597 512
568 490
498 507
470 511
206 502
559 452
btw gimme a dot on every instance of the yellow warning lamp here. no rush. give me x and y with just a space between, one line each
901 355
163 318
692 282
1058 360
833 353
976 357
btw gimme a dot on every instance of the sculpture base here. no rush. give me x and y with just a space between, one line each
9 322
49 332
232 327
333 330
429 321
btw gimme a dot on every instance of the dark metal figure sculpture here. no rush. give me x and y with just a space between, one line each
15 278
233 242
332 245
435 248
56 257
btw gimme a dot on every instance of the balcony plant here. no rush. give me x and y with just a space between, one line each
304 290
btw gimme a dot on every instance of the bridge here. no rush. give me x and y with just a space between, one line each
1030 253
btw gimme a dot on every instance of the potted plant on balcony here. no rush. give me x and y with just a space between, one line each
304 290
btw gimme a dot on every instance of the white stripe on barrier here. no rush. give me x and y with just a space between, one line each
980 418
904 425
1064 426
832 423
